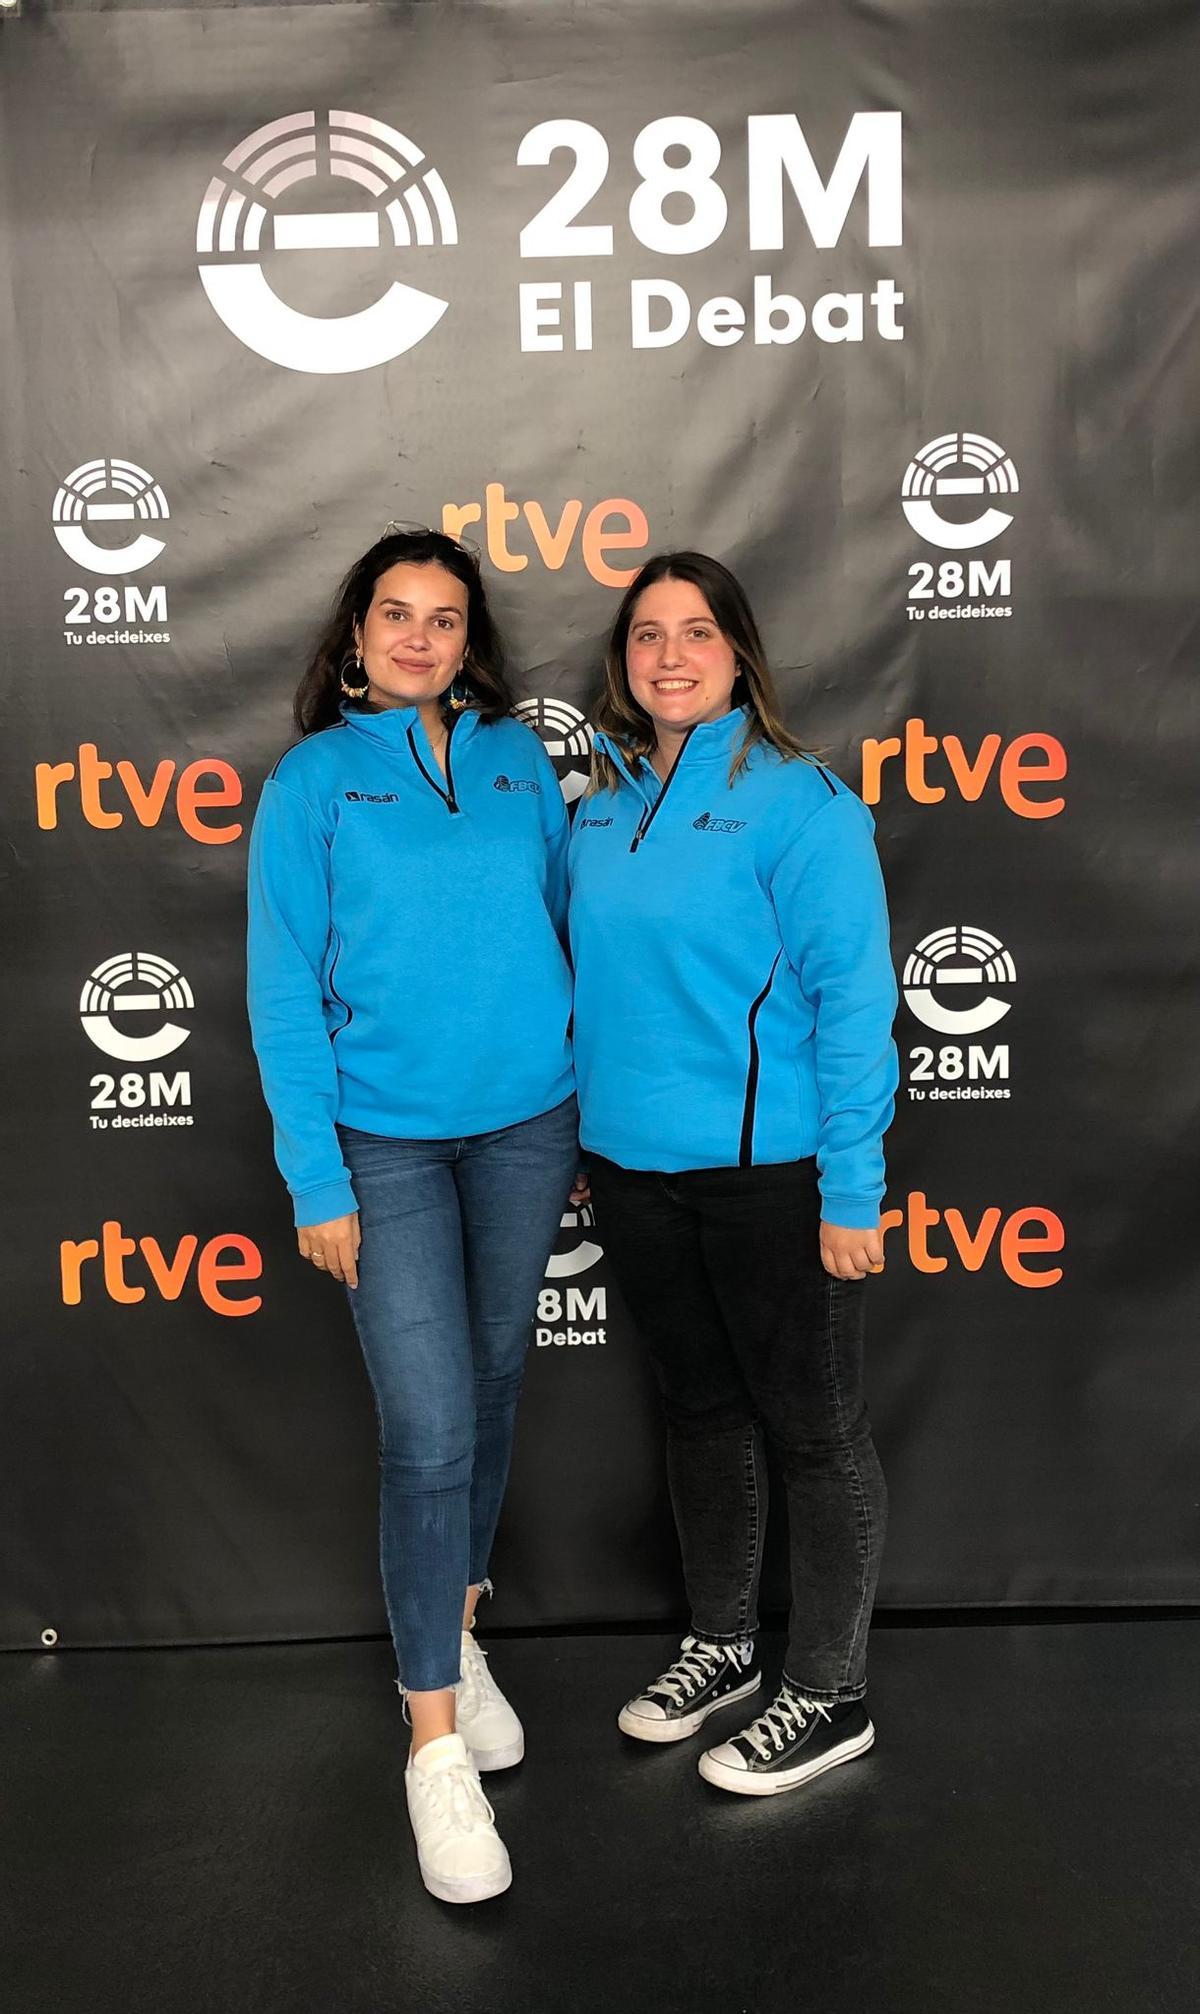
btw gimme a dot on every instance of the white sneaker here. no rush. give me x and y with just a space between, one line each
461 1855
482 1715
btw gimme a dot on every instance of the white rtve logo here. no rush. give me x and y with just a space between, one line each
239 222
135 984
957 963
980 469
133 497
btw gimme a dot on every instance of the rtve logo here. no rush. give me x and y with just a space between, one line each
1025 1235
249 222
167 1275
136 986
629 532
194 800
963 469
134 498
1028 764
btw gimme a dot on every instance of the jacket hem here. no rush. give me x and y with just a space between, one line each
462 1126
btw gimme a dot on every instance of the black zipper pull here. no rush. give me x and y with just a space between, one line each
652 810
451 798
447 796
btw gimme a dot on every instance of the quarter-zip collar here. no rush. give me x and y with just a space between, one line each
652 810
711 741
402 730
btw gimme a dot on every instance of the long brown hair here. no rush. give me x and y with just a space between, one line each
319 696
631 727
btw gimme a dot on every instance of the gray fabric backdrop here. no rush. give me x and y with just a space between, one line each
938 419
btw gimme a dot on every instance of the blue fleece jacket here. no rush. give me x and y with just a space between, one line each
734 990
406 969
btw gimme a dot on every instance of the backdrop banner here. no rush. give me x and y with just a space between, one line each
890 307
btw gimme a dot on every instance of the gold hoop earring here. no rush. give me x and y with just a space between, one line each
362 684
459 695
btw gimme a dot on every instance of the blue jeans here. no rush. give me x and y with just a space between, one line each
455 1239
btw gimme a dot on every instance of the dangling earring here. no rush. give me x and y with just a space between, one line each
459 695
361 685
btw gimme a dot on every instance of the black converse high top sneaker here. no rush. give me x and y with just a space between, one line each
704 1676
793 1741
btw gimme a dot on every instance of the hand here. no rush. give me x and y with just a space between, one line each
333 1247
851 1255
581 1190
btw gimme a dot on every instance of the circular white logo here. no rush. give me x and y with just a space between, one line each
963 466
567 738
248 216
574 1250
109 492
946 976
135 987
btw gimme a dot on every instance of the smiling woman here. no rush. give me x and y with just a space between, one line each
420 585
733 1004
684 649
414 1054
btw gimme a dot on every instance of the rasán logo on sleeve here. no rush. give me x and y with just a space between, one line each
250 221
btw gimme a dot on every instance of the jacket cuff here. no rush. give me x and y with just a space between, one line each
854 1213
320 1206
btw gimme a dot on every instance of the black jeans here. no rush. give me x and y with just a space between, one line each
750 1337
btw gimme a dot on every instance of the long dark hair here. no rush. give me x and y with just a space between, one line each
631 727
319 697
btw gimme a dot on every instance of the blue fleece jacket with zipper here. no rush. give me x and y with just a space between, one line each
734 991
407 974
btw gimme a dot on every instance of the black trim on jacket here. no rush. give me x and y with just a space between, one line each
746 1144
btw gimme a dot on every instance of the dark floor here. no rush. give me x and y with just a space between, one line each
224 1830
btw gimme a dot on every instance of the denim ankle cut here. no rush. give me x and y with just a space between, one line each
455 1239
751 1341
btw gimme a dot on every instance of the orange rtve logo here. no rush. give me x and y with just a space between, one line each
628 533
194 799
1027 765
1025 1235
168 1275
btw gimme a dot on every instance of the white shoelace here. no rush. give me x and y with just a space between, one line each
689 1672
475 1683
785 1717
458 1797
